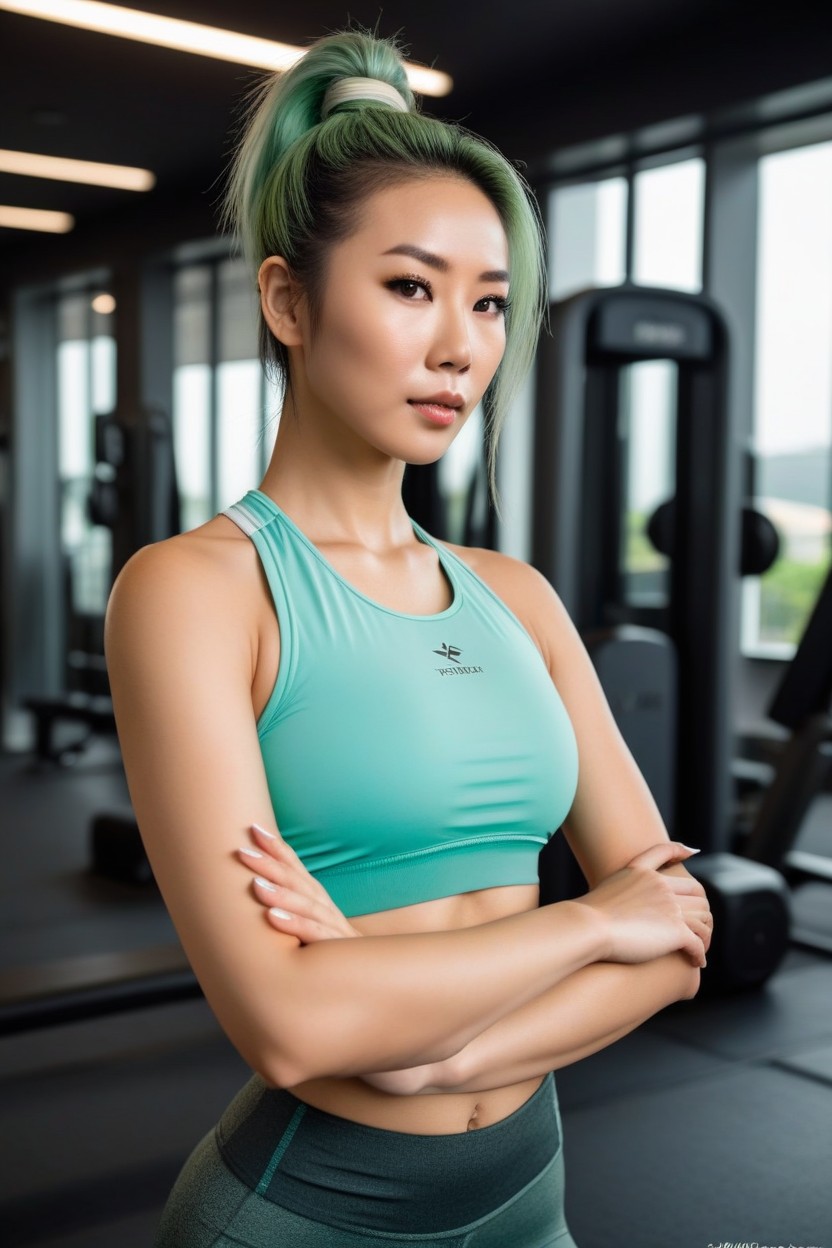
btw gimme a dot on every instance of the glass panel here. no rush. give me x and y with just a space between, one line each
239 429
224 411
86 381
456 471
192 442
587 236
669 206
240 391
647 416
793 392
192 393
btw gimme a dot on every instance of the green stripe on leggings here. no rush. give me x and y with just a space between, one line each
283 1144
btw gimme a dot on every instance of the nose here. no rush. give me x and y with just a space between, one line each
451 344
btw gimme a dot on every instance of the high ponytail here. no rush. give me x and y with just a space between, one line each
298 183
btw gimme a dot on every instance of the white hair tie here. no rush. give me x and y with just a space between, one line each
362 89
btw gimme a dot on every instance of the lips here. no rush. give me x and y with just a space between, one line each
444 399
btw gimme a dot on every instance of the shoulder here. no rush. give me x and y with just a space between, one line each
528 594
200 577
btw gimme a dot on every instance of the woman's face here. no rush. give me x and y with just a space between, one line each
411 323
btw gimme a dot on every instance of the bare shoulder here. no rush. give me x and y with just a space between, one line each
527 593
208 576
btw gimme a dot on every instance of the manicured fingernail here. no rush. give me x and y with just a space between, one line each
690 848
258 879
250 853
269 835
280 914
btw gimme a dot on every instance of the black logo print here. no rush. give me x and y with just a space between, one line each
453 653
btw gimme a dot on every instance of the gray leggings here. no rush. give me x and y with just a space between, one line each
277 1173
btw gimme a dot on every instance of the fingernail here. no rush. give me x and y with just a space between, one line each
690 848
258 879
280 914
250 853
263 832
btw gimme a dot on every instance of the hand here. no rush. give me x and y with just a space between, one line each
695 907
295 902
649 913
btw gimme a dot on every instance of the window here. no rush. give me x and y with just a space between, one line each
86 387
647 418
792 393
668 219
224 411
587 228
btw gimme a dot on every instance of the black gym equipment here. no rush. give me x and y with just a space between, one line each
662 656
802 702
134 494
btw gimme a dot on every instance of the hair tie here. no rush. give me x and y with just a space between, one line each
374 89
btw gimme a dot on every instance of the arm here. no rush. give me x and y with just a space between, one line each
181 667
584 1013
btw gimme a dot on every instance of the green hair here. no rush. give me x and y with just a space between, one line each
297 186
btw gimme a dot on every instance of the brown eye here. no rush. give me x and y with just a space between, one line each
408 287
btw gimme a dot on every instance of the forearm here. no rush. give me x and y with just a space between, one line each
589 1010
346 1007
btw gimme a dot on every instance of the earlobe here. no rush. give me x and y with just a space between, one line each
279 300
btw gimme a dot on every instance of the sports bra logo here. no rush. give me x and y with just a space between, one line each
453 653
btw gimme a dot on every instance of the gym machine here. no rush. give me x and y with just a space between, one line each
660 640
134 494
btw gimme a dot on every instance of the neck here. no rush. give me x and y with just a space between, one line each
333 484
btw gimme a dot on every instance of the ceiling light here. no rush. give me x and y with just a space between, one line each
104 304
90 172
35 219
171 32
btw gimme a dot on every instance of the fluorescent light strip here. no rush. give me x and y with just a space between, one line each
35 219
62 169
171 32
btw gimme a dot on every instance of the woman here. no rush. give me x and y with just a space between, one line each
401 717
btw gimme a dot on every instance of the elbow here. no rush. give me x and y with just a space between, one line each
280 1071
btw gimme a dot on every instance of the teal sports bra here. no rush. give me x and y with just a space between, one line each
408 757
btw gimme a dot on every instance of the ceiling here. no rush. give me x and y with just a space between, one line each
73 93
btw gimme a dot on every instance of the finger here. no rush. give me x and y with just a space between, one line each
277 871
307 930
694 947
329 923
285 873
270 841
281 851
703 931
657 855
685 886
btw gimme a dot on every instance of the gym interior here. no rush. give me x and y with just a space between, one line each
668 468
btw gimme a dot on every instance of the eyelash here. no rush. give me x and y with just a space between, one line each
501 302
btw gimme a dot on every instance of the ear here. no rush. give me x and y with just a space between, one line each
279 300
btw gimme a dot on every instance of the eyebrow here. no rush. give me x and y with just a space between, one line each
436 262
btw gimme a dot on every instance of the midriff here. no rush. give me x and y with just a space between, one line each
434 1113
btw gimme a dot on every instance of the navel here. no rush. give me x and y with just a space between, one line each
473 1121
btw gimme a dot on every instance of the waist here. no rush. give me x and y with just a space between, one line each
346 1173
446 1113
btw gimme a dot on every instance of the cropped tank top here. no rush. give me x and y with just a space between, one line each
408 757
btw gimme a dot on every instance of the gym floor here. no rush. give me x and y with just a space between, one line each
712 1124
